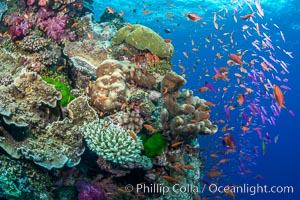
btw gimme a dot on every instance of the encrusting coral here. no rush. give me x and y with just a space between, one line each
111 141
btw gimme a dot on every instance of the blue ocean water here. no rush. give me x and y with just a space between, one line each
280 165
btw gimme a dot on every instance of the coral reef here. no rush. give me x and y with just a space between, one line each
19 179
3 9
131 121
110 90
111 141
87 108
58 143
142 38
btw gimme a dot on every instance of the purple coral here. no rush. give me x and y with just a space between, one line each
54 27
21 28
87 191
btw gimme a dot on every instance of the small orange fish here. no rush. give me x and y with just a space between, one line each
165 90
245 17
214 155
149 127
222 161
60 68
131 72
129 25
75 24
110 10
102 98
219 56
91 37
241 99
223 69
188 167
178 169
245 128
146 12
208 103
229 193
264 66
169 178
236 58
121 14
213 174
176 144
278 96
132 135
203 89
167 40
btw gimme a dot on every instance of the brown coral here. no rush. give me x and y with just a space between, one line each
59 143
132 121
109 91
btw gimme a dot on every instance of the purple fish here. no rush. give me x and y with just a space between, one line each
258 131
227 113
246 118
285 80
268 139
292 113
252 110
273 120
216 70
242 166
207 84
285 87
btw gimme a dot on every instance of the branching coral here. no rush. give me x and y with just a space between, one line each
111 142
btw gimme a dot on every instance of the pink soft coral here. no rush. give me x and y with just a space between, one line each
54 27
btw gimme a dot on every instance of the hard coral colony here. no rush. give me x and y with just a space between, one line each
77 93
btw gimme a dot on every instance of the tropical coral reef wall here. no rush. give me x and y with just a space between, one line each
88 107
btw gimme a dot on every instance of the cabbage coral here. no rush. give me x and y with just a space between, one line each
111 142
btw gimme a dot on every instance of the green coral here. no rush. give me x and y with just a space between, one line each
63 88
144 38
155 145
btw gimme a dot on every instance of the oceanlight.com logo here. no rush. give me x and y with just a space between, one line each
250 189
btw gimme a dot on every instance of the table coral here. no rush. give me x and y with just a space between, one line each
22 102
57 144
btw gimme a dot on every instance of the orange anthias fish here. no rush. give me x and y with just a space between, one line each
203 89
169 178
149 127
236 58
110 10
245 17
133 135
241 99
228 141
278 96
194 17
176 144
209 104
